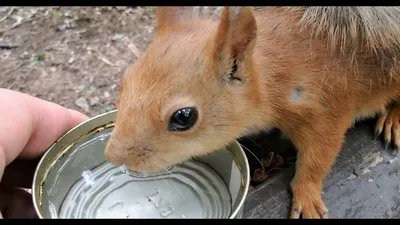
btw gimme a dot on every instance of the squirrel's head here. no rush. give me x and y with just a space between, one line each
193 91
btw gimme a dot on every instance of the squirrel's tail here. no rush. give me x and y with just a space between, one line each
368 29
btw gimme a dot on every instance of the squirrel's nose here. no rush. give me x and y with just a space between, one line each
111 157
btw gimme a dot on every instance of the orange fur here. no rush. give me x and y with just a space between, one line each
288 79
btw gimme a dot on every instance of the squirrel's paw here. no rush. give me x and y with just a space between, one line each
308 204
388 124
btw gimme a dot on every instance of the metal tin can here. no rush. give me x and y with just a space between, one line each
74 180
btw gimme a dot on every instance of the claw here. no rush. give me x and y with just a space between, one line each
377 134
295 214
323 213
388 140
387 144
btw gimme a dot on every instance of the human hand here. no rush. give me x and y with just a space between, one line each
28 126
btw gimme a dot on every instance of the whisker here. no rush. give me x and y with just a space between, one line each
262 166
244 147
145 166
254 142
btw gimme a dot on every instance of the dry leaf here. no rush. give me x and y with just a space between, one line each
268 160
279 161
260 175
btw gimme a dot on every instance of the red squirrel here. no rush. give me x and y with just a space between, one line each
309 71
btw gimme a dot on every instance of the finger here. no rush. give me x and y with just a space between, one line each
51 122
387 132
306 213
315 214
295 211
323 211
16 204
379 124
396 133
30 125
19 173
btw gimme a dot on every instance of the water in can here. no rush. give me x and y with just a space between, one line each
188 190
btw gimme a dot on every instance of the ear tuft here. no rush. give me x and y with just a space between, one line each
237 31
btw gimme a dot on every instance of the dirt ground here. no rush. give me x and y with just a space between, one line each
75 56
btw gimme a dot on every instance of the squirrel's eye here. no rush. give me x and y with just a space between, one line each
183 119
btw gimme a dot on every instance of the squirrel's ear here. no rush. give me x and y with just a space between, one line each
236 32
170 17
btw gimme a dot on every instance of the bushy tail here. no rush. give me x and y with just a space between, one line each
370 29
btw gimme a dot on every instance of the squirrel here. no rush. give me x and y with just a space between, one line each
311 72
